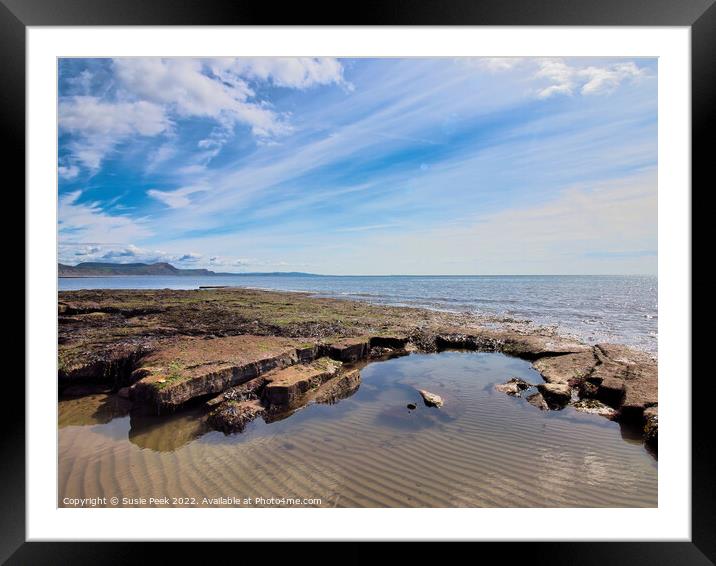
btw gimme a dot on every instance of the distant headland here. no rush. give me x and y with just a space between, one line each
106 269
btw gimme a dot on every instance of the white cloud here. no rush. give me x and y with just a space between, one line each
606 79
184 85
99 125
73 253
178 81
82 82
90 115
68 172
161 155
121 253
497 64
148 90
559 74
87 222
291 72
191 169
568 79
178 198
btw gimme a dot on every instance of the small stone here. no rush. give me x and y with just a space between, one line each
514 387
412 406
430 399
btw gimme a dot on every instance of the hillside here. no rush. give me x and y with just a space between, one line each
99 269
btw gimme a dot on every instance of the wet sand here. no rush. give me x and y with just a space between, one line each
482 449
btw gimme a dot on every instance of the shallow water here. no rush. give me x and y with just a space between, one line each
482 449
594 308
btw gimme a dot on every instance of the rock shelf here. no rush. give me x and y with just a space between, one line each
253 353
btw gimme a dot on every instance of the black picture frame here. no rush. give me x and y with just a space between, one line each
17 15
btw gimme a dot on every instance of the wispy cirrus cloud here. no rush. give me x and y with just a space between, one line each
375 153
99 126
177 198
88 221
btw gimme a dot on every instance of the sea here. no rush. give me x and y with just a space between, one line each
592 308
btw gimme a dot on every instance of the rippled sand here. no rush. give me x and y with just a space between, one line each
482 449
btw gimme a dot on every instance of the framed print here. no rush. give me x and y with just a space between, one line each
420 276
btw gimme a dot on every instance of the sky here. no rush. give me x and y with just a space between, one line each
360 166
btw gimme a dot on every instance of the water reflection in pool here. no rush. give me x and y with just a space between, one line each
482 449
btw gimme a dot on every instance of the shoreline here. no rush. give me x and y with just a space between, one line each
591 327
164 349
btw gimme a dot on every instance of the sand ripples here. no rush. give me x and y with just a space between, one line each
483 450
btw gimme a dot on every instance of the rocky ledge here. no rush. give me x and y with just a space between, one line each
256 353
607 379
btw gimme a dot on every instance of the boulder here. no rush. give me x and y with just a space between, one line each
557 395
430 399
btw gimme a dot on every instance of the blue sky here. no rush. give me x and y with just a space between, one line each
361 166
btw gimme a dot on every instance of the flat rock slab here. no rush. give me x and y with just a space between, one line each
569 368
286 387
627 379
350 350
531 346
196 367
